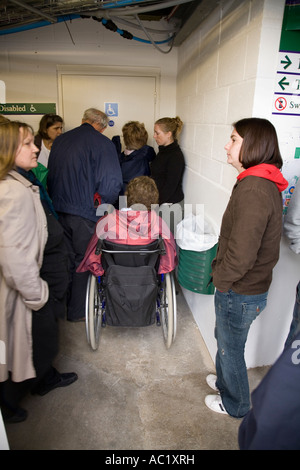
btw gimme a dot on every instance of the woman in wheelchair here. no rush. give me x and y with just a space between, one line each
131 257
139 224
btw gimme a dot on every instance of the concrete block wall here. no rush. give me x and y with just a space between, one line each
226 71
217 69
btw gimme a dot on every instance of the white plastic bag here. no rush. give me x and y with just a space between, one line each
196 233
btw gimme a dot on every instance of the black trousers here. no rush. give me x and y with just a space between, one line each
45 348
78 232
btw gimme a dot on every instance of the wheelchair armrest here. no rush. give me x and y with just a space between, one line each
98 247
161 245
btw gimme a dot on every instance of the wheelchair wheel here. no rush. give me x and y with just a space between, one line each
93 311
168 309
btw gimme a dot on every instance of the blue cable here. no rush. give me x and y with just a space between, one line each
119 3
121 32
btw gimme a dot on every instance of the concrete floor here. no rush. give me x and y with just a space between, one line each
132 394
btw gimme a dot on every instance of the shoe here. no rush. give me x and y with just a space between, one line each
211 380
16 416
63 380
214 403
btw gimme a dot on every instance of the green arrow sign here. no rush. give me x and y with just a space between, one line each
287 62
28 108
282 83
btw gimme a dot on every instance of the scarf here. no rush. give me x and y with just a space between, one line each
29 175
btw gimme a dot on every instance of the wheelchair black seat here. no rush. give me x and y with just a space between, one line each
130 282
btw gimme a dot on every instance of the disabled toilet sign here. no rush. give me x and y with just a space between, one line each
111 109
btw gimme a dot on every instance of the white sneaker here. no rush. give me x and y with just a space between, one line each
214 403
211 380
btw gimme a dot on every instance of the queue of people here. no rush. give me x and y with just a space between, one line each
50 181
61 223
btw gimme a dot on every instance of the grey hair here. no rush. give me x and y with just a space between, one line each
93 115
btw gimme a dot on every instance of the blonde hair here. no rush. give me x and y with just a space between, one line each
9 143
173 125
142 190
135 135
3 119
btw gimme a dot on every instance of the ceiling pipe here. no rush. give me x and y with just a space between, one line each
140 10
34 10
25 27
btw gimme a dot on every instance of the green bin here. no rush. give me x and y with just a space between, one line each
194 270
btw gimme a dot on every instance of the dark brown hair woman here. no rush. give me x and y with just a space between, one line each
248 250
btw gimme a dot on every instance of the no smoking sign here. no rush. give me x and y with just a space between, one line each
280 103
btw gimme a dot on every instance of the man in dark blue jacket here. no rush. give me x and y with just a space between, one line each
273 423
82 162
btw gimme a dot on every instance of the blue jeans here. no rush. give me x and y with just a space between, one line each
234 315
295 325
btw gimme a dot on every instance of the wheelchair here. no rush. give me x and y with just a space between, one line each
130 293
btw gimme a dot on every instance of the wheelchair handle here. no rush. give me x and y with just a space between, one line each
161 250
140 252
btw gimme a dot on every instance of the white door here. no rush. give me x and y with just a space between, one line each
128 98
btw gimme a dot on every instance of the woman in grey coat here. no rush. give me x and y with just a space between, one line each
28 298
23 236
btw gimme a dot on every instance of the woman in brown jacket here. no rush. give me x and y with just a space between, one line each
26 337
247 253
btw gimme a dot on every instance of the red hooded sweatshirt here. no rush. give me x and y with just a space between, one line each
130 228
267 171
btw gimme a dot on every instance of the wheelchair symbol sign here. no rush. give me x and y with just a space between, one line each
111 109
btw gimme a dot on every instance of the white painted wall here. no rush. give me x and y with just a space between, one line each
226 71
29 60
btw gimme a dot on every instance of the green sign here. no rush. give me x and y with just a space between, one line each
290 34
27 108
